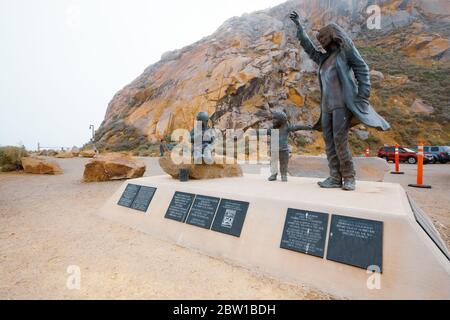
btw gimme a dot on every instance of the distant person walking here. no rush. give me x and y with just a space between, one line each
95 149
162 148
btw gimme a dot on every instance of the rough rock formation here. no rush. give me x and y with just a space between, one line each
367 169
87 153
201 171
113 166
65 155
253 64
38 165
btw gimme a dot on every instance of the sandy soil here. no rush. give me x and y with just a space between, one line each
48 223
436 201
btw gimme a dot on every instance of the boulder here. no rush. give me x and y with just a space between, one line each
39 165
113 166
419 106
376 76
65 155
367 169
361 134
202 171
87 153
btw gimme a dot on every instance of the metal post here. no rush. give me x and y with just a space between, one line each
397 161
93 132
420 169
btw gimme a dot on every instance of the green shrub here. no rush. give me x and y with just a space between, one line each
10 158
147 150
301 141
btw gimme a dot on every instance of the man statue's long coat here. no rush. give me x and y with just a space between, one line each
356 95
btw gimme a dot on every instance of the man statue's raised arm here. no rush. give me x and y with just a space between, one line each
306 43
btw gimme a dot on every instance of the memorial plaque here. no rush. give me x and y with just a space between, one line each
203 211
230 217
356 242
127 198
305 232
143 198
179 206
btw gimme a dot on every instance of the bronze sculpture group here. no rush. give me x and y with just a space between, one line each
344 104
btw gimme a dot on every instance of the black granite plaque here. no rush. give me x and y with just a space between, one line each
127 198
305 232
230 217
203 211
356 242
179 206
143 198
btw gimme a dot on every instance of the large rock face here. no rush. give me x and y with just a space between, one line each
254 63
38 165
113 166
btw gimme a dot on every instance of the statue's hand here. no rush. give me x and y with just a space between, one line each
295 18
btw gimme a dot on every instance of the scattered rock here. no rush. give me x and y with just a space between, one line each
361 134
376 76
38 165
65 155
419 106
87 153
367 169
427 46
113 166
202 171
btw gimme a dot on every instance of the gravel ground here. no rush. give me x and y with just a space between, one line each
48 223
436 201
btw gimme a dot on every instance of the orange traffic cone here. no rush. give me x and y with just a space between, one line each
419 183
397 162
367 152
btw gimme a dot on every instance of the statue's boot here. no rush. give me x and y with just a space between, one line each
349 184
273 177
284 178
331 182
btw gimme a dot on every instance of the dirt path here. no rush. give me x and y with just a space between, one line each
48 223
436 201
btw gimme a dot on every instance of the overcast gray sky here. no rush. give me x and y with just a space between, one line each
62 61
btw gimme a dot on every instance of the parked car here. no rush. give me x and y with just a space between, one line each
405 155
439 154
442 153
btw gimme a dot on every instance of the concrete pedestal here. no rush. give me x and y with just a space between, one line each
414 267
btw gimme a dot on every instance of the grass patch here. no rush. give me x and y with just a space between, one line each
10 158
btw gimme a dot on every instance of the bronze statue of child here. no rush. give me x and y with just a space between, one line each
280 152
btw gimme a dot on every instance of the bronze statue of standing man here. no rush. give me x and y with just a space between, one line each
344 103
